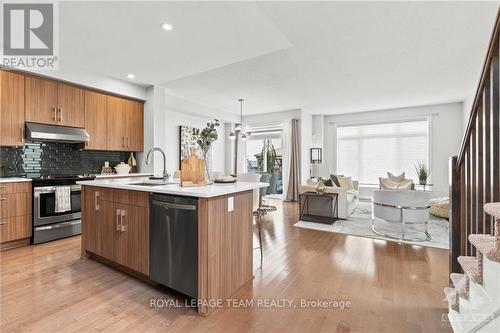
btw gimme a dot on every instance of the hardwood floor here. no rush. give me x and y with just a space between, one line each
392 288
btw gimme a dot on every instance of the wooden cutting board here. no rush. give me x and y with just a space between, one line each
193 171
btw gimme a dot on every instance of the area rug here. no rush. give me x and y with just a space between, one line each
359 224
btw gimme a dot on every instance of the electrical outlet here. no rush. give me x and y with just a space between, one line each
230 204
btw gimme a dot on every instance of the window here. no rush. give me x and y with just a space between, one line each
264 154
368 151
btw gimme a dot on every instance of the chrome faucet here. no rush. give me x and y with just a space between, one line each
165 173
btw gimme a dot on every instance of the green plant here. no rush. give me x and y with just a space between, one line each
423 172
205 137
269 154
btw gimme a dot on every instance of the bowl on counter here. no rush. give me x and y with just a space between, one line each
122 169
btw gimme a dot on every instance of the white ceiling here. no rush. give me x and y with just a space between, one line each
325 57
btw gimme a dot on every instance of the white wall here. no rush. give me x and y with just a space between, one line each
171 130
466 110
306 137
161 129
446 134
98 81
318 130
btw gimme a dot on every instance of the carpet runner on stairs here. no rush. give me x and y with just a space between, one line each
461 284
486 245
452 297
473 267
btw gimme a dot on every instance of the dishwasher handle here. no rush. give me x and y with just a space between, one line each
168 205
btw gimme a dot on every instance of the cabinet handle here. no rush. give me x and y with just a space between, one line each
21 130
3 222
96 197
60 115
122 214
128 142
118 214
55 114
2 199
123 141
3 186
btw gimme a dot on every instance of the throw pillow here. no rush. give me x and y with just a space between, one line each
396 179
405 185
387 184
335 180
345 182
328 182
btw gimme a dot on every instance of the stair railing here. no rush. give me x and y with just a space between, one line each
475 173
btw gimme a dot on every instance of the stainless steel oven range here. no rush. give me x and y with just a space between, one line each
47 223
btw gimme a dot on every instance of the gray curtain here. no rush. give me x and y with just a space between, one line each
292 193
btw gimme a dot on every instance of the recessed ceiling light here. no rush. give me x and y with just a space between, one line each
131 76
167 27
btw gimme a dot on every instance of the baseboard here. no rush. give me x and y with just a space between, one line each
14 244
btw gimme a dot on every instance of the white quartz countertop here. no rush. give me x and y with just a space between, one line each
14 180
115 175
174 187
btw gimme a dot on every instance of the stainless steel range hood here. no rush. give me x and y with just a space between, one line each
44 132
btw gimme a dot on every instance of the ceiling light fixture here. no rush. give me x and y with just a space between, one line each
238 130
131 76
167 27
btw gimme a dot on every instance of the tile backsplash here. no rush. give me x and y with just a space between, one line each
37 158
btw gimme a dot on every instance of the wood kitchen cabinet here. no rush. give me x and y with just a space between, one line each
96 120
11 109
136 126
115 226
15 212
70 105
55 103
125 124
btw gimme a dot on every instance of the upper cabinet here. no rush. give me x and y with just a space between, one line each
96 120
70 105
11 109
113 123
41 100
125 124
51 102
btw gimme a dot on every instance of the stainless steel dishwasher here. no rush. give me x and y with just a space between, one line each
174 243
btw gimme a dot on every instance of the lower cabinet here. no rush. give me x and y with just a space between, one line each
15 211
116 230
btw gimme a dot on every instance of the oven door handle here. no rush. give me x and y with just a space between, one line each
58 225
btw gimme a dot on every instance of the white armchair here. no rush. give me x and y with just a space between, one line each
404 207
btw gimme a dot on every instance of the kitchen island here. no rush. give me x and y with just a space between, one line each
121 227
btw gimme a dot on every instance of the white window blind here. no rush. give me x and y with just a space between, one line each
367 152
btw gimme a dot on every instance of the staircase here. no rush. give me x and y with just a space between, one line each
474 300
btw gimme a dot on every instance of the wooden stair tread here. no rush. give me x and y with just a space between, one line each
493 209
471 267
461 284
451 297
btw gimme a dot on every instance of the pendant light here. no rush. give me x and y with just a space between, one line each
238 130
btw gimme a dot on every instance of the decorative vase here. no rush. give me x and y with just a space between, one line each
320 187
422 181
208 167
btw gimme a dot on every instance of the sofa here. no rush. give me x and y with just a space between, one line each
348 199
